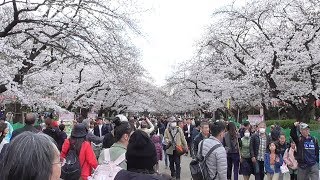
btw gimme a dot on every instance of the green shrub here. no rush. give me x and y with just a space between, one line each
288 123
314 127
282 123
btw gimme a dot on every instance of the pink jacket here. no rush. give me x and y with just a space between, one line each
289 159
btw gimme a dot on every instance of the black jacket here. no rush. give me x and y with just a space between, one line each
104 130
23 129
196 142
255 143
128 175
54 133
185 129
299 155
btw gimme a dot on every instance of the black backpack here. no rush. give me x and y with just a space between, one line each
71 170
198 167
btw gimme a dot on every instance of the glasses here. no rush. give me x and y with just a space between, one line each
62 162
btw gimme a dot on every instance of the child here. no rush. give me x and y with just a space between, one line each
272 162
157 143
291 161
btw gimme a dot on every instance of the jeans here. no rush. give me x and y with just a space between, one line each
309 172
260 174
165 158
175 167
233 159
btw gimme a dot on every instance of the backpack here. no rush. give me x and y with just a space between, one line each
198 167
109 169
96 149
71 170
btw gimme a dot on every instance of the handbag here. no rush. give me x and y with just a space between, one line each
180 150
284 168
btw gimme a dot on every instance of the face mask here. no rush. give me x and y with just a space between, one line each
247 134
262 130
173 125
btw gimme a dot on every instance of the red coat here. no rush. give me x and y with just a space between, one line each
87 158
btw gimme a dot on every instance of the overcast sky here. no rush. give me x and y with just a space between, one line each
171 28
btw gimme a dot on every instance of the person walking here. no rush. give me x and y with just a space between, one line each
156 139
291 161
109 139
272 162
307 152
62 136
204 133
217 160
122 134
174 137
83 149
100 129
281 148
258 147
141 158
52 131
231 143
187 129
30 120
146 125
246 165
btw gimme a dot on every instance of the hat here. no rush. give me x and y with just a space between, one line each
122 117
79 131
304 126
141 152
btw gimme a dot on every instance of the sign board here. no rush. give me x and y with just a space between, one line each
255 119
67 116
92 116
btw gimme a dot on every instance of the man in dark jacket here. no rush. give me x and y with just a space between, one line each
307 153
205 133
258 146
101 129
187 129
52 131
30 120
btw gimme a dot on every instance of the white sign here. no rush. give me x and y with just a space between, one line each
255 119
92 116
68 116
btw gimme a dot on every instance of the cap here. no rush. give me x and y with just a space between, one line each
304 126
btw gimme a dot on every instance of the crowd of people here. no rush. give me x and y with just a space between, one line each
131 149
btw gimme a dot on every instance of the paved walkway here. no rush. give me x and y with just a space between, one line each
185 172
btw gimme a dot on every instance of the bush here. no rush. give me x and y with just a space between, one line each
288 123
282 123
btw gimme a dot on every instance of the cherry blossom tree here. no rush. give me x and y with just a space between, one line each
68 53
260 51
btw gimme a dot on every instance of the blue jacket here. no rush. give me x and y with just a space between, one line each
267 165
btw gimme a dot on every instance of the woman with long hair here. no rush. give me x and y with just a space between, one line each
83 149
272 162
231 143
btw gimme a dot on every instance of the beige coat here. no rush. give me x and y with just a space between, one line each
179 140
